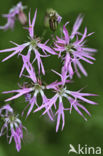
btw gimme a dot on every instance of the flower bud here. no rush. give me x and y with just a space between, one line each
52 19
22 18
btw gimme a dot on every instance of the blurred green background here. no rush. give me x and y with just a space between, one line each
42 140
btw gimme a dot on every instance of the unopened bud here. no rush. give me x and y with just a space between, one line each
22 18
52 19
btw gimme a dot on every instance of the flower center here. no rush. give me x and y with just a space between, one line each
34 42
61 91
12 118
70 47
38 87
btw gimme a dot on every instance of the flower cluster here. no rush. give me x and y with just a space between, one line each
71 48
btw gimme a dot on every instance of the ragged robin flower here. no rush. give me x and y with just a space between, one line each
12 126
16 11
74 99
32 90
72 50
33 45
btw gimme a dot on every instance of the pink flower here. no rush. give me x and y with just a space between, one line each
33 45
11 16
57 102
33 90
74 50
13 124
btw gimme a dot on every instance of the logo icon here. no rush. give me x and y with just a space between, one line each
85 149
72 149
